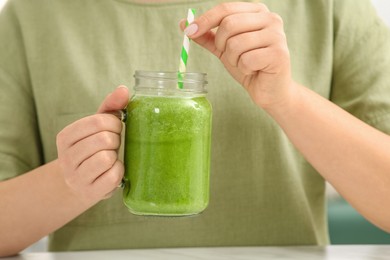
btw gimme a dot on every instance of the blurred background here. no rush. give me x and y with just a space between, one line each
346 226
383 8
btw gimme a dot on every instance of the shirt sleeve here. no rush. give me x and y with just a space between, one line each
361 71
20 149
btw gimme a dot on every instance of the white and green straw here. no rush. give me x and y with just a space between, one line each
185 48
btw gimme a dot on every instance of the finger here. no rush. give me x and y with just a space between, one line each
87 126
239 44
266 60
214 16
89 146
242 23
109 181
96 165
206 40
116 100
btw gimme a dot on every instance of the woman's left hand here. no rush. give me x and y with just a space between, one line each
251 43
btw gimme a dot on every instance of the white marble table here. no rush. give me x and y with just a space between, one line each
219 253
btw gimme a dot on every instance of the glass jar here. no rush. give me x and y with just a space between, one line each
167 145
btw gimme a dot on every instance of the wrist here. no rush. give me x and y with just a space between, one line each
285 104
70 194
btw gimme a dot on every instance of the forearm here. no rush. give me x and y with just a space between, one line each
34 205
351 155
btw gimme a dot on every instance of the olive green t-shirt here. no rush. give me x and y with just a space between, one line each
59 59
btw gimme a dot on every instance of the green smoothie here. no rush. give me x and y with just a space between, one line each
167 155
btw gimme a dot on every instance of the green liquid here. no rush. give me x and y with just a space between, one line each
167 155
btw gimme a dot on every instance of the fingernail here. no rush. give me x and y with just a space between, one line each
122 86
191 29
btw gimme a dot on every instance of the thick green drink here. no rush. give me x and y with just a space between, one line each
167 147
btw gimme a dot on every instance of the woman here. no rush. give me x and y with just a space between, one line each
61 57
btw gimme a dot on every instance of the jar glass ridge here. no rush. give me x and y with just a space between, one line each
154 83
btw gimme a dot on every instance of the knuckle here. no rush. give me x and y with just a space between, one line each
60 139
276 18
228 23
232 52
107 140
246 64
106 122
262 6
283 55
115 177
98 122
233 45
225 8
121 169
281 51
281 36
118 126
203 20
112 122
108 158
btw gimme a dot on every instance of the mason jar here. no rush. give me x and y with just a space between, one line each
167 144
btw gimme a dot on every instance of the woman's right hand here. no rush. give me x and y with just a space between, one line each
88 151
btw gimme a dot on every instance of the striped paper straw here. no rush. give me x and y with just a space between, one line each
185 48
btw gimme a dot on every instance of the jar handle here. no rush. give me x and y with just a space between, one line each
122 115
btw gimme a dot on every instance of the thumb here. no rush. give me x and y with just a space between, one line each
116 100
206 40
